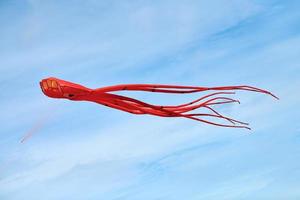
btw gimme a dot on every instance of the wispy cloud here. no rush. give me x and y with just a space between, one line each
90 152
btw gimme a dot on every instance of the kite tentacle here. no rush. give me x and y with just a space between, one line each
139 107
216 124
110 103
135 106
206 105
208 102
233 120
244 87
177 89
197 100
129 104
191 116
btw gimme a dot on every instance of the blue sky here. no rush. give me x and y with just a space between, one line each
87 151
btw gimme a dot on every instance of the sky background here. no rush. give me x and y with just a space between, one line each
83 150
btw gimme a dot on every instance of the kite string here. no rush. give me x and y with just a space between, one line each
39 124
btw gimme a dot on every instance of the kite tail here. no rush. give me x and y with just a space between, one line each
135 106
206 102
177 89
244 87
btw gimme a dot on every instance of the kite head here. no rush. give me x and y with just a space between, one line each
56 88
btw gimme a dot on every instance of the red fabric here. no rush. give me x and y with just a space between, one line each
56 88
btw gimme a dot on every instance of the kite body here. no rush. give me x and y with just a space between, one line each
56 88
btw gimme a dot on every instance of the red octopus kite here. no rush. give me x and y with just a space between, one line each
56 88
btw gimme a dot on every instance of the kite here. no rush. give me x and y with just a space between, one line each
57 88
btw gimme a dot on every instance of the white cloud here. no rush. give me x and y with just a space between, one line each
129 36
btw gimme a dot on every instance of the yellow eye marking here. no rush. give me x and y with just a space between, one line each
49 83
54 84
45 86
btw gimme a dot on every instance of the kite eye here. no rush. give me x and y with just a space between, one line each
54 84
71 95
45 86
51 88
49 83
